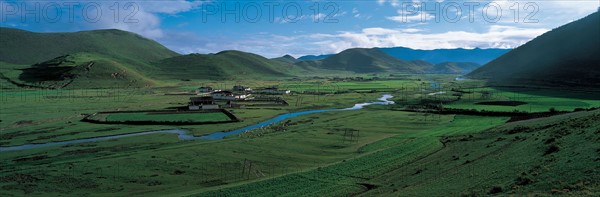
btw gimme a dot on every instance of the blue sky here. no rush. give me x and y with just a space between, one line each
276 28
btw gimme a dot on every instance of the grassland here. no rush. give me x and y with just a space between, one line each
537 100
168 117
390 153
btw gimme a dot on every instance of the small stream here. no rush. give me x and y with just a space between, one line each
183 135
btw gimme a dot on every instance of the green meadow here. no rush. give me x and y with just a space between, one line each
363 122
188 117
379 150
535 100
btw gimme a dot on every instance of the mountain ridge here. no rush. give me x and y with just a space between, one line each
26 48
567 55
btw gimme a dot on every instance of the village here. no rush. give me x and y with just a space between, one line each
207 106
239 96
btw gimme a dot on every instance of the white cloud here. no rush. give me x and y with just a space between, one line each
405 17
173 6
411 30
379 31
269 45
145 20
496 37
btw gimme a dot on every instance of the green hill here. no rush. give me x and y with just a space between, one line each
86 59
286 59
565 56
26 48
361 60
455 67
314 57
83 70
222 65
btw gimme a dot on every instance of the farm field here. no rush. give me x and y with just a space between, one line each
168 117
379 150
62 110
534 100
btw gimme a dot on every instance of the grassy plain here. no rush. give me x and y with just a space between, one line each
537 100
374 151
180 117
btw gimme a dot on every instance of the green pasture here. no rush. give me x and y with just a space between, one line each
162 117
538 100
376 151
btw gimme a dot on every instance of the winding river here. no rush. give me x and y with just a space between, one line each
183 135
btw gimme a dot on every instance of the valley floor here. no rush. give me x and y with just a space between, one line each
376 151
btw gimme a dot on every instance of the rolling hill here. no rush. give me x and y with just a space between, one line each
436 56
26 48
222 65
565 56
286 59
86 59
455 67
83 70
362 60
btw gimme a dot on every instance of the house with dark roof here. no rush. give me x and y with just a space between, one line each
205 102
206 89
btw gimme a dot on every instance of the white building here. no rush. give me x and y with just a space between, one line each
228 95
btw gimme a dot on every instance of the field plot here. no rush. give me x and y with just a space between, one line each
523 99
306 155
351 176
162 117
549 156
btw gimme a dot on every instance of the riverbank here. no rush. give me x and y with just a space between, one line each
183 135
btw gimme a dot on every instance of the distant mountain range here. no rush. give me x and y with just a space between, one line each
115 58
363 60
566 56
315 57
287 59
436 56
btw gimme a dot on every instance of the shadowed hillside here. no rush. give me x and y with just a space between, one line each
455 67
24 47
565 56
86 59
83 70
